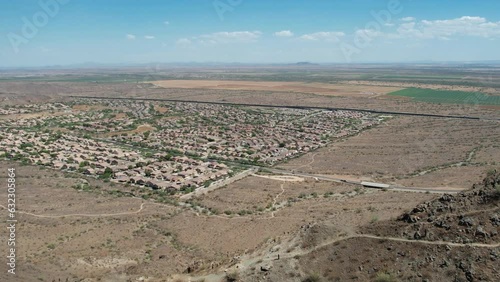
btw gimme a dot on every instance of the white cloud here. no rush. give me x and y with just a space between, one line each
166 22
183 41
445 29
408 19
226 37
149 37
439 29
130 37
333 36
284 33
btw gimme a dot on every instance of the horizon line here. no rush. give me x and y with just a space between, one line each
222 64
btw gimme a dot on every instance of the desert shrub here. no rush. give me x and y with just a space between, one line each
231 277
385 277
312 278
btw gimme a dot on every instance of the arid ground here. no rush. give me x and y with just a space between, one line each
313 88
314 222
64 233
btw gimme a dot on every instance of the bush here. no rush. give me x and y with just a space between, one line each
312 278
232 276
108 172
385 277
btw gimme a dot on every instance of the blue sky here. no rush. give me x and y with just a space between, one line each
61 32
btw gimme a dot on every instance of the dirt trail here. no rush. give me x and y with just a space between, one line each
276 199
79 214
467 161
309 164
301 252
274 206
247 263
289 178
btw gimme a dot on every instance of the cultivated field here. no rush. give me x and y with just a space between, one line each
448 97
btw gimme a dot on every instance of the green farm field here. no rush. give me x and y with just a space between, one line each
448 96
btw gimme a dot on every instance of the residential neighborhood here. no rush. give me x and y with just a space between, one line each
170 146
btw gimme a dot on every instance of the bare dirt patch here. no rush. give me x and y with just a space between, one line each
86 108
281 177
140 129
120 116
160 109
301 87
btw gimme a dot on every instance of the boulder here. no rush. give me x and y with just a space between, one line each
480 232
466 221
265 267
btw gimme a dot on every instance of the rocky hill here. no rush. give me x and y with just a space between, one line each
467 217
451 238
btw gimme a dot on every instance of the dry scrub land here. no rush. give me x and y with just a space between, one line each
100 235
413 151
449 238
115 232
490 90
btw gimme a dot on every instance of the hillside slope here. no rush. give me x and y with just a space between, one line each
451 238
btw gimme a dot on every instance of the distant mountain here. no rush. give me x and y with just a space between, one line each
305 64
